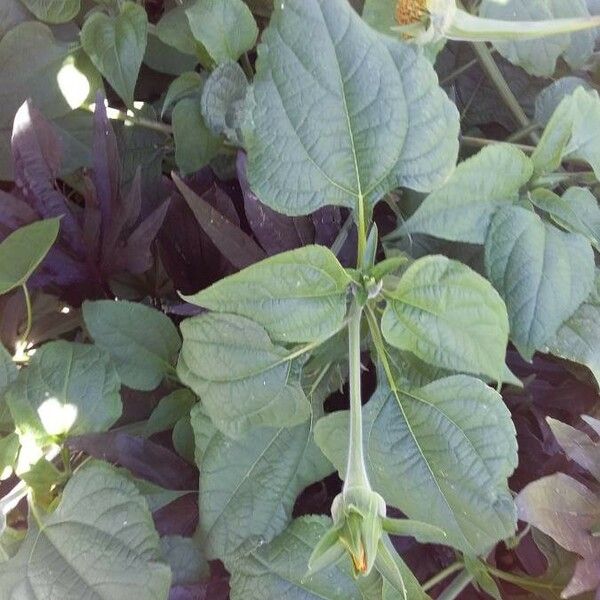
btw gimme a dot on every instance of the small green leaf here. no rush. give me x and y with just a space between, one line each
183 439
461 210
542 273
578 338
249 486
67 388
278 569
441 454
297 296
226 28
116 46
99 543
23 250
576 211
187 85
186 559
224 101
169 410
242 378
54 11
448 316
142 341
368 117
195 144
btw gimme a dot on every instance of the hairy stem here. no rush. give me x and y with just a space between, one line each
356 472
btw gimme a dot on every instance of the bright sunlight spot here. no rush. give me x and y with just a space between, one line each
57 418
73 84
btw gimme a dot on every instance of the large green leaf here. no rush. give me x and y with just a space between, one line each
186 559
462 208
67 388
342 114
571 132
116 45
441 453
539 56
578 338
297 296
23 250
278 569
226 28
449 316
99 543
142 341
542 273
242 377
249 486
54 11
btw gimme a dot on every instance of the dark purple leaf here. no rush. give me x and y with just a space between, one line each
238 247
215 588
275 232
14 213
179 517
141 457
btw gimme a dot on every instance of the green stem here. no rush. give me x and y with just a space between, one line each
453 568
523 132
118 115
523 582
458 584
362 232
29 312
356 472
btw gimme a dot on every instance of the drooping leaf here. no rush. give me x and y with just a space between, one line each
441 453
570 133
278 569
448 316
249 485
23 250
67 388
322 111
54 11
142 342
243 379
462 208
186 559
116 46
99 543
576 211
226 28
578 338
195 144
224 101
542 273
297 296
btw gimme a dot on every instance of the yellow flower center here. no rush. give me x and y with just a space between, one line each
410 11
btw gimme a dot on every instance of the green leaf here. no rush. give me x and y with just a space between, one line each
341 114
183 439
224 101
116 46
165 59
12 12
54 11
539 56
169 410
23 250
226 28
44 69
542 273
242 378
249 486
550 97
577 211
67 388
99 543
571 132
297 296
461 210
9 448
578 338
449 316
186 85
186 559
195 144
278 569
441 454
174 30
142 341
8 369
482 579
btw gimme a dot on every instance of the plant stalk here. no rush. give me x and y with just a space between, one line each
458 584
356 472
444 574
29 312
